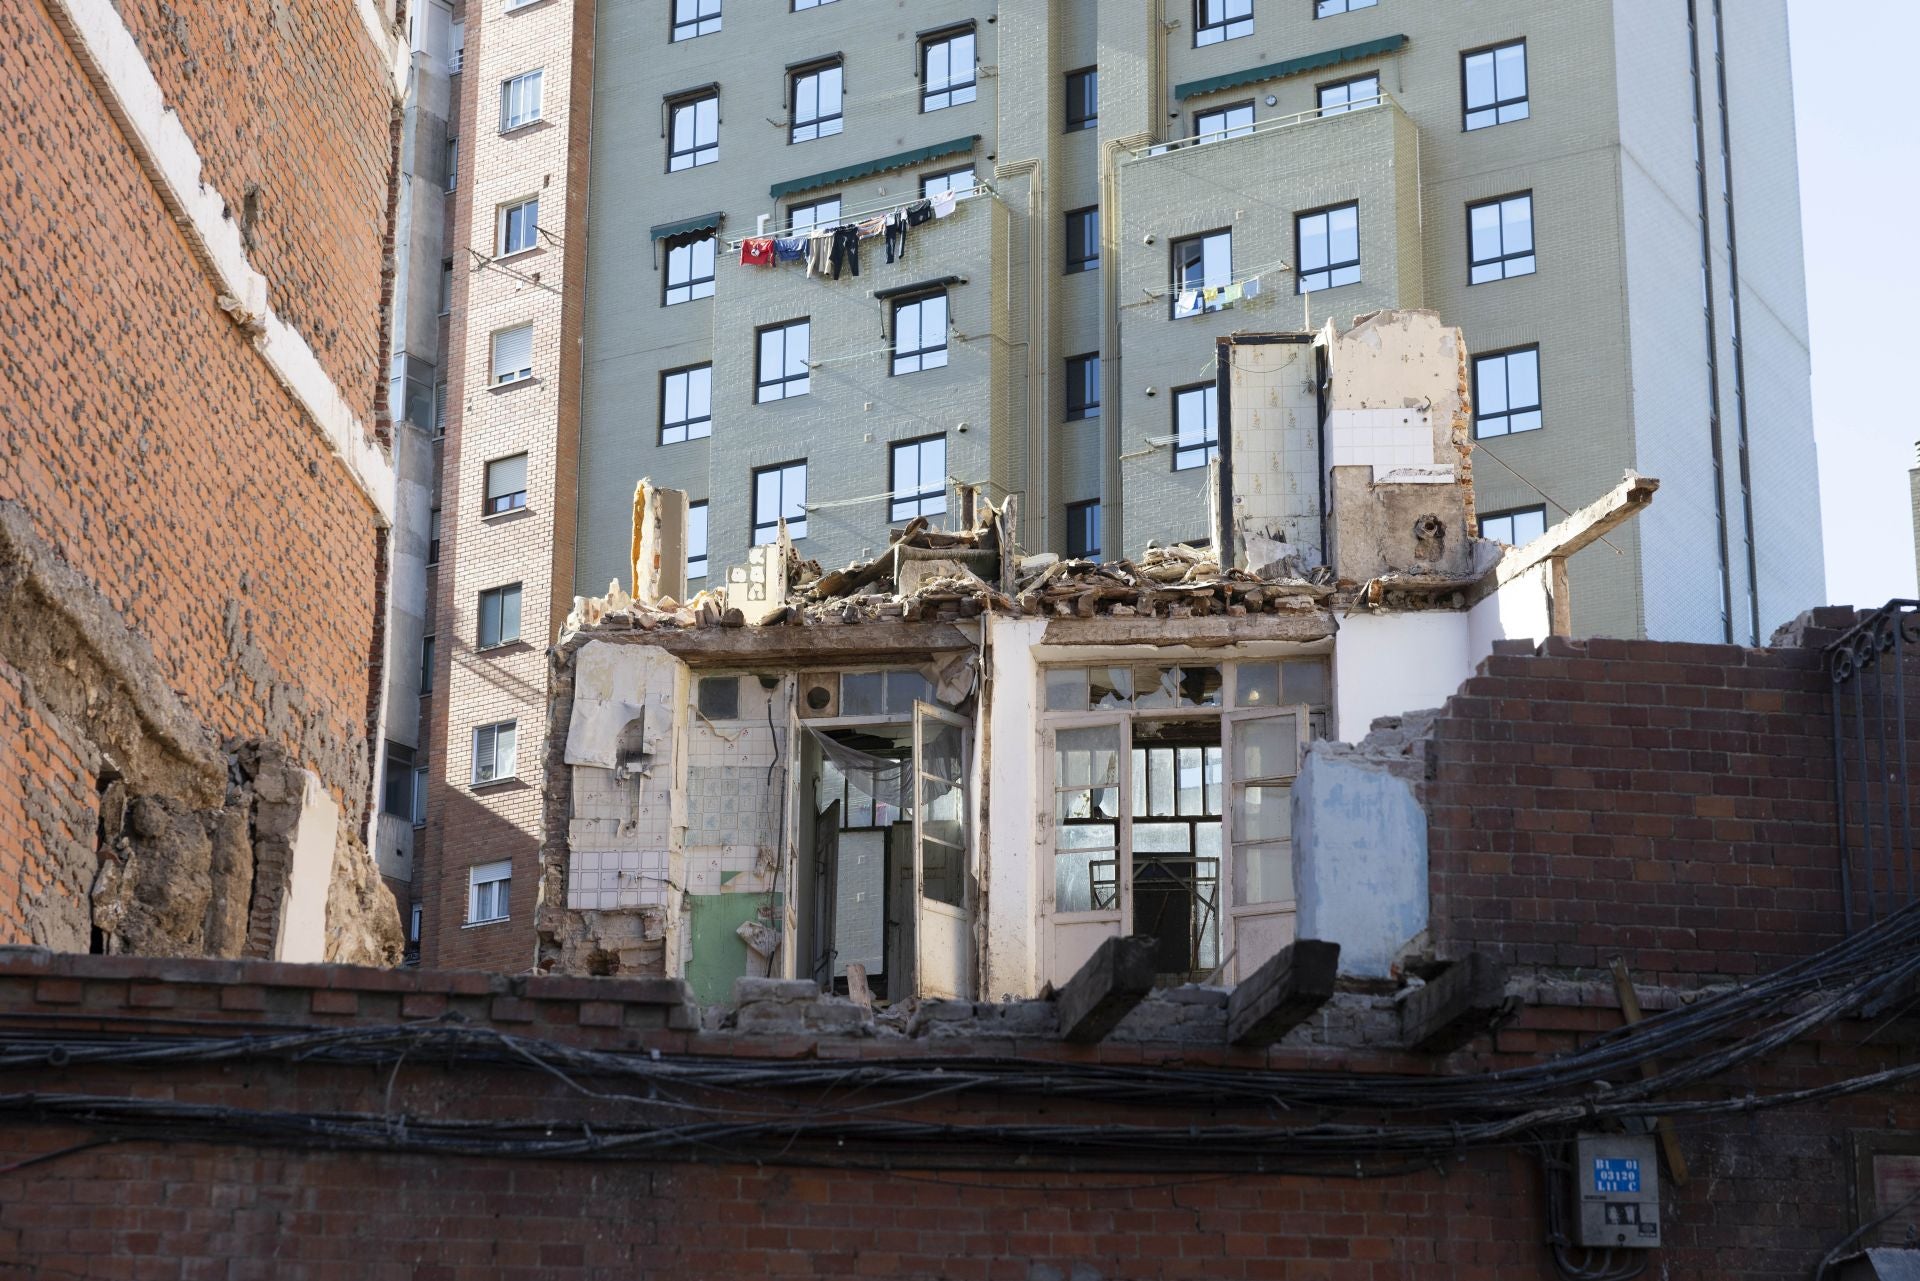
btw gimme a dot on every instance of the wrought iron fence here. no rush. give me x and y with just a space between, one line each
1874 802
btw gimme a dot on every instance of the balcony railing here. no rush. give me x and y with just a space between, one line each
1273 124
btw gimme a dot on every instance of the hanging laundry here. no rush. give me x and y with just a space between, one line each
897 234
790 249
918 212
845 251
1189 300
1251 289
819 249
1209 293
871 227
757 251
943 204
1230 295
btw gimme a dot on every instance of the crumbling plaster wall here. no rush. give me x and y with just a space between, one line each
1274 418
1015 813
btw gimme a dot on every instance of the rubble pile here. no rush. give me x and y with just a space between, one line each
1166 582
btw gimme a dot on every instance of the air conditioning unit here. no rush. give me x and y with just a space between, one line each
819 696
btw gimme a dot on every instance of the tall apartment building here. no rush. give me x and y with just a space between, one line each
1602 194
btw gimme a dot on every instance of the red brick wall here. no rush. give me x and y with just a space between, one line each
49 813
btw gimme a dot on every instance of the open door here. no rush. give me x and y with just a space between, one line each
1088 888
943 912
1264 749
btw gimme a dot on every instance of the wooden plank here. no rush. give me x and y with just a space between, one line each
1283 993
1630 1010
1460 1004
1577 531
1115 978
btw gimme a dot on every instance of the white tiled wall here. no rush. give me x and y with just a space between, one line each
1388 440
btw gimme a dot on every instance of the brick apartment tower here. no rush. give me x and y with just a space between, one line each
509 471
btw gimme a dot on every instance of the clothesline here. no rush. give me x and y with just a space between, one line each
1253 273
860 213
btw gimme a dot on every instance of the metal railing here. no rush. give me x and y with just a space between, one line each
1872 793
1271 125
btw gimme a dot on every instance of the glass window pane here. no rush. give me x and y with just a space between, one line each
1160 781
1313 242
1480 80
1343 234
1191 792
861 693
1110 687
1266 748
1523 378
1263 873
1162 838
1215 774
1263 813
1516 225
1510 71
1084 880
1066 689
1306 681
1256 685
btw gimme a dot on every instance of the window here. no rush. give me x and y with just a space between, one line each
696 540
1493 84
798 5
779 493
816 101
499 616
1201 263
457 59
519 226
396 787
1506 392
824 212
419 798
958 181
493 756
439 410
513 355
487 891
693 132
1500 239
413 924
1516 527
453 163
446 285
1361 91
718 697
695 18
1083 529
1217 20
690 268
433 537
426 664
1083 386
946 71
1083 98
520 101
919 479
783 362
920 333
506 484
1196 426
1228 122
1083 239
1328 8
686 404
1327 247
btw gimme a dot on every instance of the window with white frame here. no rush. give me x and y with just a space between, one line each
426 664
1196 427
1517 526
499 616
1500 239
1493 85
947 70
453 163
779 493
1327 247
919 333
696 540
506 484
513 355
487 885
413 923
693 18
519 226
433 537
690 267
919 478
1506 392
824 212
1226 122
520 101
693 132
1201 263
439 410
420 776
1217 20
1348 95
493 752
784 372
1328 8
798 5
457 57
959 181
817 100
686 404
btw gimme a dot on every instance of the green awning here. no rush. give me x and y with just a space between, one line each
705 222
865 167
1291 67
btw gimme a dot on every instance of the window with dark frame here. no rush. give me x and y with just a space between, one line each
1083 98
426 664
959 181
1493 85
1200 263
1500 239
1217 20
686 404
816 98
693 132
920 333
823 212
690 261
499 616
947 71
1326 244
453 163
779 493
1350 95
506 484
798 5
697 540
1329 8
1083 386
1083 529
1516 526
918 478
693 18
1222 123
1196 428
396 786
446 285
1083 239
1506 392
784 372
433 537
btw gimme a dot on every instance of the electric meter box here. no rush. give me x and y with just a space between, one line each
1619 1182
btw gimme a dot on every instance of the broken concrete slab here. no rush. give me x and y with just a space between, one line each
1114 979
1467 998
1283 993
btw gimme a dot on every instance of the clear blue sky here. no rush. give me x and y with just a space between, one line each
1859 192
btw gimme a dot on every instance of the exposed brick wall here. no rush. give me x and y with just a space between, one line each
1769 1194
49 816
